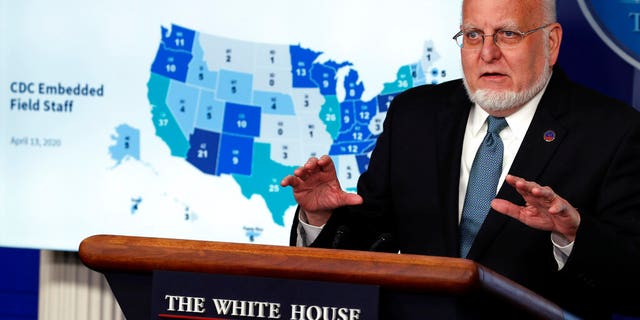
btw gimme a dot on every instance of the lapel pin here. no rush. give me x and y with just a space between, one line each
549 135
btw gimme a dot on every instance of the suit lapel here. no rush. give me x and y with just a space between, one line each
451 124
544 136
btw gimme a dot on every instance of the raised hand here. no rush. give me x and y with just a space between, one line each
317 190
544 209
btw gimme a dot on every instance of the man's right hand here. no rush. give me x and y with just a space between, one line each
317 190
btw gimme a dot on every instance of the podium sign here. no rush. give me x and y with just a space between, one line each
206 280
188 295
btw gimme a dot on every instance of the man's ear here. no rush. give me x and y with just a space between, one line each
555 38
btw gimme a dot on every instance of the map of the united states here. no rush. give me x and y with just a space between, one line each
257 111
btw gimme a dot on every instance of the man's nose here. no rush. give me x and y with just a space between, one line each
490 51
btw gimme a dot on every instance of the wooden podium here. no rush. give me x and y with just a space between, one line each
411 286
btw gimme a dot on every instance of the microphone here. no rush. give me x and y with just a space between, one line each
339 236
382 240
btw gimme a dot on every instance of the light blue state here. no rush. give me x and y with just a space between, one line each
127 143
235 87
210 114
273 102
183 102
417 73
198 72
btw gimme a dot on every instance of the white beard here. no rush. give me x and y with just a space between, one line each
493 100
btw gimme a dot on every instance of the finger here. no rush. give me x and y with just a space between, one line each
532 191
560 208
506 207
307 169
290 180
543 197
324 159
549 196
286 181
557 209
351 199
325 163
525 187
311 163
301 173
512 180
522 186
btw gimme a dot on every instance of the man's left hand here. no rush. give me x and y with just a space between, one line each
544 209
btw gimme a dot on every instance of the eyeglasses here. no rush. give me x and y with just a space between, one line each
503 38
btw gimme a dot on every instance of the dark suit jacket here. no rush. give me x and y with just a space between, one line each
411 191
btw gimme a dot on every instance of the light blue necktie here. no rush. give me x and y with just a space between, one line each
483 182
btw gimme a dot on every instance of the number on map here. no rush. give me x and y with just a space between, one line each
330 117
272 56
311 128
234 88
228 56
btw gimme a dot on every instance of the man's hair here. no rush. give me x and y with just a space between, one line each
549 11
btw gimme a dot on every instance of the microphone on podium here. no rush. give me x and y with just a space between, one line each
380 243
339 236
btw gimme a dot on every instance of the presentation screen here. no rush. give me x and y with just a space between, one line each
178 119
